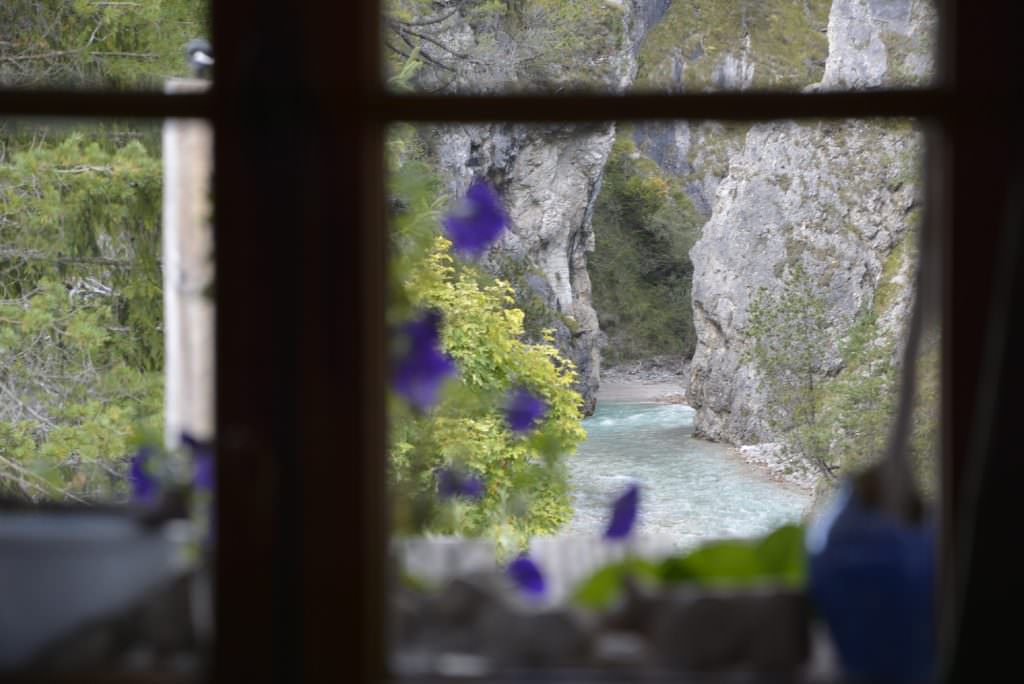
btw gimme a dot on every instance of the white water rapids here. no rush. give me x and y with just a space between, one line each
690 489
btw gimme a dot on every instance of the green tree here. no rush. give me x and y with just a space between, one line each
47 43
789 346
644 227
862 398
838 422
81 337
81 347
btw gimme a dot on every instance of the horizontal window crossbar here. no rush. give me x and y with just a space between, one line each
738 106
95 104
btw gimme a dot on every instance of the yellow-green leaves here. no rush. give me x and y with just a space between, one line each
525 489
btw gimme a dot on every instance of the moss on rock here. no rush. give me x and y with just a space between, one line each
782 41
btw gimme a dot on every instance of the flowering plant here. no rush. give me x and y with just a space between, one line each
176 483
481 419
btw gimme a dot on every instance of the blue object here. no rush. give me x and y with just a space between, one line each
200 58
873 580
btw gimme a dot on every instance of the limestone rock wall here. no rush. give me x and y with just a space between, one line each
839 197
549 177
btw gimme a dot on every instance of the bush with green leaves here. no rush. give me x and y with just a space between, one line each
524 477
862 398
644 227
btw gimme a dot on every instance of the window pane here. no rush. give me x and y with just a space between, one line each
98 45
727 302
657 46
106 362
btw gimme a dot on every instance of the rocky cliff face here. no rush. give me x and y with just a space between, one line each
710 45
549 177
837 198
875 43
840 198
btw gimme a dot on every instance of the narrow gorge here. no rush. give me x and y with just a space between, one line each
670 240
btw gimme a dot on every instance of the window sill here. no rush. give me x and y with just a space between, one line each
85 590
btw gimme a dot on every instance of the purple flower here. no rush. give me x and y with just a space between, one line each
477 222
452 483
623 514
203 469
145 487
527 576
420 367
204 474
524 410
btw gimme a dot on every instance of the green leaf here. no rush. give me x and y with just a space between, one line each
782 555
606 586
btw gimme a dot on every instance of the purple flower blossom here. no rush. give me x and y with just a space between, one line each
203 469
203 472
477 222
421 367
527 576
623 514
452 483
524 410
145 486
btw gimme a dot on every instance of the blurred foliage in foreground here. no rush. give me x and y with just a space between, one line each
777 559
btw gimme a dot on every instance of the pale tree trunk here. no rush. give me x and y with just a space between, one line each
188 274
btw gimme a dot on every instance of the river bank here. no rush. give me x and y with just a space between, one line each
660 380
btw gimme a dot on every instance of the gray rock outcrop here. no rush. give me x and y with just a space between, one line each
549 177
708 46
876 43
840 198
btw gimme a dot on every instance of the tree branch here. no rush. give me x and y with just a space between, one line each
26 473
29 409
432 20
85 168
33 255
406 31
423 55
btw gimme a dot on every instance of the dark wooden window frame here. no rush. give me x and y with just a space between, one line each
299 115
